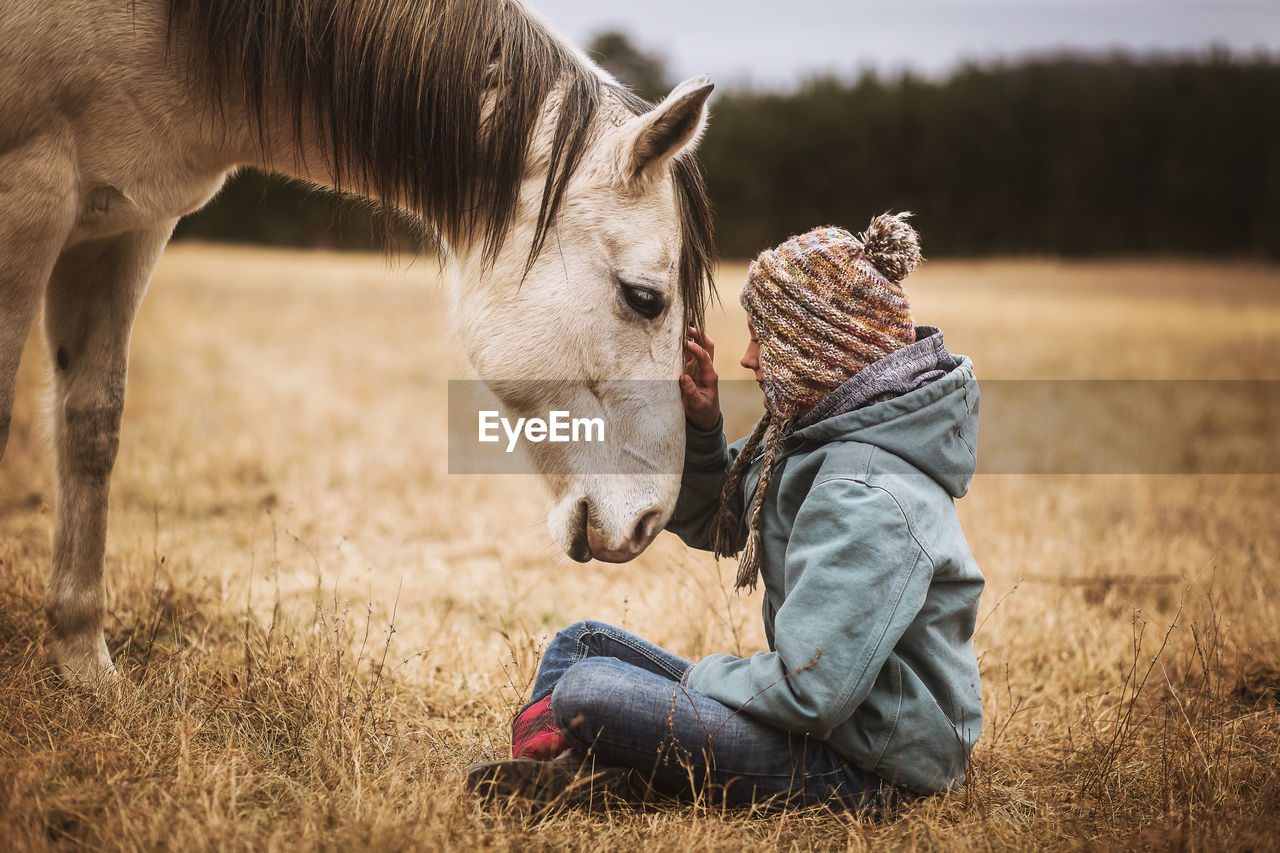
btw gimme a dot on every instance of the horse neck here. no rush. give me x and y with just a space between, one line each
406 127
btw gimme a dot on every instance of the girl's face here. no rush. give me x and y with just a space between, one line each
751 358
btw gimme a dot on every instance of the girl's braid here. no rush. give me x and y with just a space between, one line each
725 525
749 563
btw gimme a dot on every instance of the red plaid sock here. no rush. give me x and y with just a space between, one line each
534 734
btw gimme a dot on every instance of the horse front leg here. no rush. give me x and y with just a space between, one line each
90 307
37 211
19 298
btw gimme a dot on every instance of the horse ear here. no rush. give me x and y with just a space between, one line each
663 132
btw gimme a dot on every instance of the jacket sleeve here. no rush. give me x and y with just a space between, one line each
707 460
855 578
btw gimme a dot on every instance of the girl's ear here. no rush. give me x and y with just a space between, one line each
652 139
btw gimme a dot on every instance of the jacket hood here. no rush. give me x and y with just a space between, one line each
919 403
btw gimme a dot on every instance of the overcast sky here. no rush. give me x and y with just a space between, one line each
778 42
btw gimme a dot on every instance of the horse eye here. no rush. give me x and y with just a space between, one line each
645 302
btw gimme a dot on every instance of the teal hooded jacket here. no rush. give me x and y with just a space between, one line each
870 591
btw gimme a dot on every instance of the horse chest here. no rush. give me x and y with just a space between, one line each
139 195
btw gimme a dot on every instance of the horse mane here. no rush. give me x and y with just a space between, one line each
396 92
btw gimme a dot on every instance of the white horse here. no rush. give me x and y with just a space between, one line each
575 220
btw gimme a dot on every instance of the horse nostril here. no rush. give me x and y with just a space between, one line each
580 544
646 527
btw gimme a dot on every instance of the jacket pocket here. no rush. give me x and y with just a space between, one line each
895 702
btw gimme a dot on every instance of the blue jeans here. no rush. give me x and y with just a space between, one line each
620 697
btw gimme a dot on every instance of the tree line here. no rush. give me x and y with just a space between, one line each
1061 155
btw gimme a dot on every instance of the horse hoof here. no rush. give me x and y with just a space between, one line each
83 661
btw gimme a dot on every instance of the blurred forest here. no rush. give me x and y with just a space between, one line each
1075 156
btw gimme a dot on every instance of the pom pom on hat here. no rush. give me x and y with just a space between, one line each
891 246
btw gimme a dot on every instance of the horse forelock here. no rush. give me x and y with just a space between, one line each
697 240
427 105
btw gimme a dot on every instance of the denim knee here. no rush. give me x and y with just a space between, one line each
583 626
581 698
571 634
573 638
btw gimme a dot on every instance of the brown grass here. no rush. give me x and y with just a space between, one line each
318 627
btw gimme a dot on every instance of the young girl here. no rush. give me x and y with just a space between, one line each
842 501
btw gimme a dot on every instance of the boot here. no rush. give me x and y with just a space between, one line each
570 779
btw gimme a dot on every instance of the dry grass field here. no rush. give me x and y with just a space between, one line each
318 627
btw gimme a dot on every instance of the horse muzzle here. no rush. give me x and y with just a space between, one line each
589 532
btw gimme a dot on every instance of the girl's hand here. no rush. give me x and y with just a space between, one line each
699 384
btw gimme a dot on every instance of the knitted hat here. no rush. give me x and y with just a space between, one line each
823 305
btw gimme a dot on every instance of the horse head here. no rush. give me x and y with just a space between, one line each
593 324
